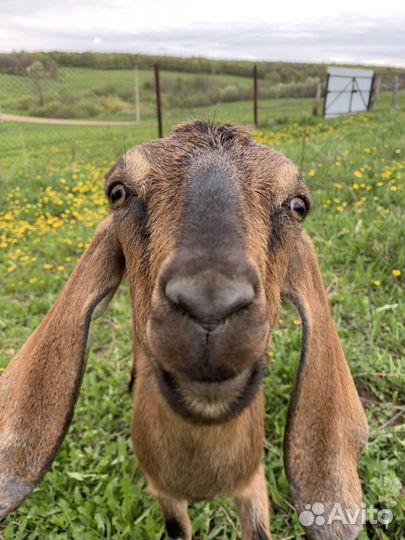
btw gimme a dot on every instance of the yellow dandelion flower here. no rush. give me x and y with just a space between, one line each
12 268
396 272
312 173
377 283
296 322
48 266
393 188
356 186
358 174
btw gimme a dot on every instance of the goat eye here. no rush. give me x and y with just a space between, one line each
117 195
298 208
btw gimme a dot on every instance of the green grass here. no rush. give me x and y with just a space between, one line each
83 80
76 84
95 488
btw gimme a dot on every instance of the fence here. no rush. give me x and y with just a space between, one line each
66 110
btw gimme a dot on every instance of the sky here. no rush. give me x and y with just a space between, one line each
342 31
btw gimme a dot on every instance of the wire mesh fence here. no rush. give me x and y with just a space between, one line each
51 110
79 93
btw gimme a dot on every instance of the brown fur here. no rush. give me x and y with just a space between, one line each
213 449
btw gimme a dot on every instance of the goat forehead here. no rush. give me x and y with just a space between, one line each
168 162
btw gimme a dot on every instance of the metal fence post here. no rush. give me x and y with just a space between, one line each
325 97
374 92
317 100
255 120
158 103
136 95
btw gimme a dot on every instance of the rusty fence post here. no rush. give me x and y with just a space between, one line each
255 92
374 92
158 102
317 100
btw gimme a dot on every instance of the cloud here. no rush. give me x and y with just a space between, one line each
101 26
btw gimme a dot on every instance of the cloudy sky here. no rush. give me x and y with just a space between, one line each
357 31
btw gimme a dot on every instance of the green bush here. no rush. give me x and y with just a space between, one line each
114 104
87 108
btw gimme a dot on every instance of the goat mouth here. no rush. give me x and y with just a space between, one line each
210 401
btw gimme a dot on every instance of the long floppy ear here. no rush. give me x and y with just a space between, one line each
326 429
39 388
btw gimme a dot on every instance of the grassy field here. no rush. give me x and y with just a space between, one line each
51 201
112 90
82 80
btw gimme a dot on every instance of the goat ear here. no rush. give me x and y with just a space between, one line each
39 388
326 428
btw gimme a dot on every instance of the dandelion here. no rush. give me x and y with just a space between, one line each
48 266
396 272
312 173
296 322
377 283
358 174
355 186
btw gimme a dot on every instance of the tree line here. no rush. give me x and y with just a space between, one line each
273 72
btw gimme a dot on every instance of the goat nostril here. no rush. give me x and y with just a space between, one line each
209 297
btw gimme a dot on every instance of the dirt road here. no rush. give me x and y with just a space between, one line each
62 121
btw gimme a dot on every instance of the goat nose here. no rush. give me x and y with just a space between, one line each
209 297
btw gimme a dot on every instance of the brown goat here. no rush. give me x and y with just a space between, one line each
207 225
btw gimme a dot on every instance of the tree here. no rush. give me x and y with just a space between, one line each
41 74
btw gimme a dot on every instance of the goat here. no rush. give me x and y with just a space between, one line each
207 225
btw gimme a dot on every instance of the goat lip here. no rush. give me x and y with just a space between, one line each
208 384
210 402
